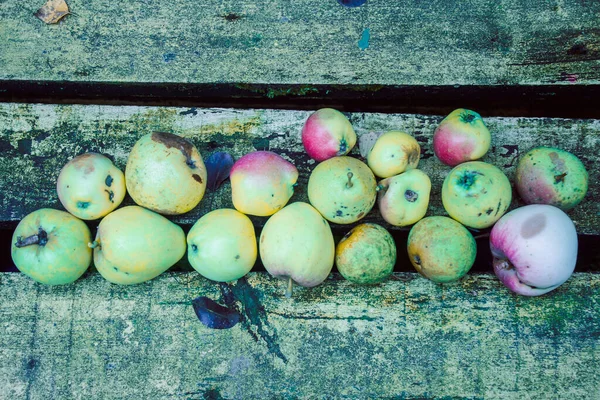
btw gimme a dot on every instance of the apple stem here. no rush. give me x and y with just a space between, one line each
290 287
41 238
349 184
94 244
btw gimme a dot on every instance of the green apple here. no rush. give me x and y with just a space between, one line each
393 153
476 194
90 186
296 244
441 249
134 245
50 246
222 245
165 173
403 199
343 189
366 254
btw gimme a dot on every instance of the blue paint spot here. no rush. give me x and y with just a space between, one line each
168 57
352 3
363 43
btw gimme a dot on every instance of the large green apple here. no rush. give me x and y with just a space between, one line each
165 173
222 245
51 246
134 245
343 189
90 186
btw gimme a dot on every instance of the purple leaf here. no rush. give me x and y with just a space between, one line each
214 315
218 166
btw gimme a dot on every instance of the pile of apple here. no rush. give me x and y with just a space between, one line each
534 247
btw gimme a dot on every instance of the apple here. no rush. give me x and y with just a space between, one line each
327 133
296 244
90 186
476 194
403 199
393 153
461 136
134 245
534 249
547 175
366 254
343 189
441 249
165 173
50 246
222 245
262 182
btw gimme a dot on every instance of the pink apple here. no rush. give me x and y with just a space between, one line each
262 183
547 175
327 133
534 249
461 136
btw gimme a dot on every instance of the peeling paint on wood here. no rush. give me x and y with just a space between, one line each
37 140
405 338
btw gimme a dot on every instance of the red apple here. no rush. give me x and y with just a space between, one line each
327 133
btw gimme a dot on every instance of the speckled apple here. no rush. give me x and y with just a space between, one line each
327 133
343 189
222 245
476 194
534 249
90 186
262 182
366 254
548 175
461 136
51 247
296 244
441 249
165 173
393 153
403 199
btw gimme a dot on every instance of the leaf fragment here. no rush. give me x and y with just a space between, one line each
218 166
214 315
367 141
53 11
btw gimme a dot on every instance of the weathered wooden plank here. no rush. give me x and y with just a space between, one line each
37 140
308 42
405 338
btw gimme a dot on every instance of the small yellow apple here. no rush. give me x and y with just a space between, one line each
393 153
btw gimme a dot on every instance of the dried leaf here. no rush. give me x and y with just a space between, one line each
53 11
214 315
218 166
367 141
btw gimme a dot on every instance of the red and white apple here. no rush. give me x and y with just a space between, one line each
403 199
262 182
327 133
461 136
476 194
547 175
534 249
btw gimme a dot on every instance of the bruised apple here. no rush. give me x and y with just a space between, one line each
393 153
403 199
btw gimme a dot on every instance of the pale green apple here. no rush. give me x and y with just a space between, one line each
393 153
476 194
222 245
343 189
90 186
51 247
134 245
441 249
403 199
165 173
366 254
296 244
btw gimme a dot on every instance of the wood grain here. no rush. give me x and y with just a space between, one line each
37 140
405 338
